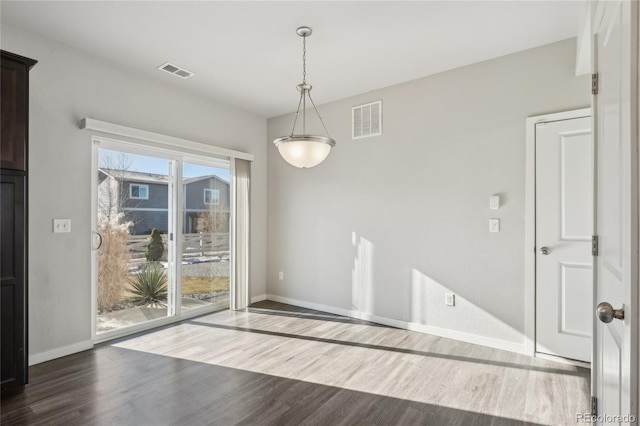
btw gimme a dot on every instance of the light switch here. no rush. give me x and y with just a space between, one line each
494 202
494 225
61 225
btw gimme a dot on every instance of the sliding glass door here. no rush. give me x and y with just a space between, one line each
133 224
161 242
205 255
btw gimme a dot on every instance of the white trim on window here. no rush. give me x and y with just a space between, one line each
140 187
214 198
157 140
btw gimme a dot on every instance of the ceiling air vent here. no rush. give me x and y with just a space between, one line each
366 120
175 70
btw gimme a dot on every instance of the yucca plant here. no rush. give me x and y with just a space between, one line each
149 286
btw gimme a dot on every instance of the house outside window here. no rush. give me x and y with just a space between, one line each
212 197
138 191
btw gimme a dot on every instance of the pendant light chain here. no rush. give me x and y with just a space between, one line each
304 81
304 60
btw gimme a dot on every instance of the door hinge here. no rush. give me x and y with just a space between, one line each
594 245
594 406
594 84
171 236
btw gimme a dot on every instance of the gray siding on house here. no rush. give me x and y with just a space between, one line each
158 196
194 194
194 201
145 221
134 209
152 212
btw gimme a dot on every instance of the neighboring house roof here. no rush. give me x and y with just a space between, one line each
152 178
199 178
135 176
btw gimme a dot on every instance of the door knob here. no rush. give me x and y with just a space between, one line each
606 313
544 250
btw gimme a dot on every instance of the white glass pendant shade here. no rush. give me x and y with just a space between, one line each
304 151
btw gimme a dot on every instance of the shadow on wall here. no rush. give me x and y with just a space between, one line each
428 308
362 289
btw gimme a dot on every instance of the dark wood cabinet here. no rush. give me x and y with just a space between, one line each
14 115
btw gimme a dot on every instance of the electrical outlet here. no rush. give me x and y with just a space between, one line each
449 299
61 225
281 275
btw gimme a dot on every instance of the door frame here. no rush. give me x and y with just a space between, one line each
600 11
530 223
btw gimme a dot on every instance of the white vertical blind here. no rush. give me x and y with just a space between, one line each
242 192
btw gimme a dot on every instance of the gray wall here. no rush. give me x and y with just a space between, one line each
67 85
387 225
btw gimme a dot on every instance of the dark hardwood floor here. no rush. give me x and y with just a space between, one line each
153 378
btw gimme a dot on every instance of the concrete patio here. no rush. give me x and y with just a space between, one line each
135 315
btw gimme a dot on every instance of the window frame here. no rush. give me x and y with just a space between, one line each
212 191
139 185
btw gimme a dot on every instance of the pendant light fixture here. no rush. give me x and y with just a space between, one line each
303 150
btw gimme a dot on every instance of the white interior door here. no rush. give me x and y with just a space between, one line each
564 228
615 363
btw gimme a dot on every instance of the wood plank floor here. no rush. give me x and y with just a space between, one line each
280 365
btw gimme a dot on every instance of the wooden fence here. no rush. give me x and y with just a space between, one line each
193 245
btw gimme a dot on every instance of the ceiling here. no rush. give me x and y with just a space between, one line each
247 54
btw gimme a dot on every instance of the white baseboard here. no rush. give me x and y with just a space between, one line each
60 352
462 336
308 305
258 298
504 345
436 331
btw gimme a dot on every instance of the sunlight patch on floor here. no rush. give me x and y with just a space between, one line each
357 362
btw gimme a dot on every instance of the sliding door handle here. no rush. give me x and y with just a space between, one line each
99 240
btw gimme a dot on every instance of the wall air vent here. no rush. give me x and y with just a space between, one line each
366 120
175 70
